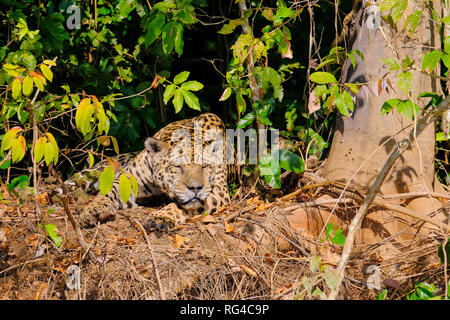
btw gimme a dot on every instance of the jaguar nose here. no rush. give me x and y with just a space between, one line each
195 189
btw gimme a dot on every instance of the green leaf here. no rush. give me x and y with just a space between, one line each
178 100
329 230
106 180
50 228
269 167
20 182
282 13
124 188
16 88
446 60
431 59
291 162
275 80
192 85
407 63
406 108
181 77
339 237
27 86
321 77
382 294
154 29
435 98
168 37
391 63
242 105
246 120
230 26
447 251
405 81
389 105
351 57
179 41
226 94
168 93
344 103
413 20
48 74
5 165
191 100
125 7
398 9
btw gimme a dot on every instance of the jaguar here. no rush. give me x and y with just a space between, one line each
184 160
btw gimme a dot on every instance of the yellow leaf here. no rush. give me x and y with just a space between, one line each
134 184
16 87
48 153
38 75
8 138
38 83
83 116
27 86
18 149
48 74
124 188
54 146
115 144
91 160
50 62
39 148
106 180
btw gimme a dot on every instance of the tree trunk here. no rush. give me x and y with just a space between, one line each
363 141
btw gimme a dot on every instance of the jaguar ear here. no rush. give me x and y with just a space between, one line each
154 146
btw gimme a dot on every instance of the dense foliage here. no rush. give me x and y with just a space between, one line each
81 79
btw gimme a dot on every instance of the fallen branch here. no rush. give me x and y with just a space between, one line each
378 201
72 220
374 189
158 278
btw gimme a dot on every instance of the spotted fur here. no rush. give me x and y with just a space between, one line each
170 164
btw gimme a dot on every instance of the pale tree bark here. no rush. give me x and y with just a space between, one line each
363 141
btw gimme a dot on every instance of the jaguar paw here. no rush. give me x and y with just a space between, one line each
161 224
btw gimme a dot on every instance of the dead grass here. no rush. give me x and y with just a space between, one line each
213 257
